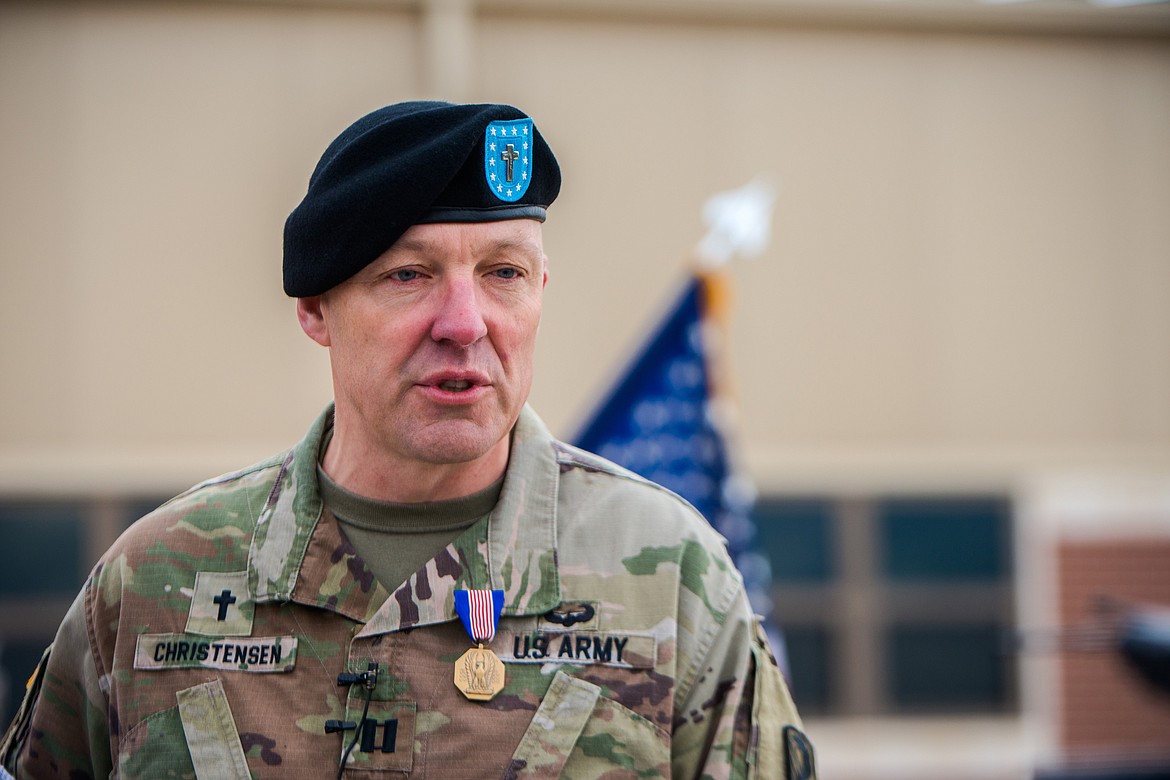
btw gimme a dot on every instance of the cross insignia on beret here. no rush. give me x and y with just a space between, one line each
507 162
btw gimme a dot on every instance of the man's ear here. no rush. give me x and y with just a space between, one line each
312 319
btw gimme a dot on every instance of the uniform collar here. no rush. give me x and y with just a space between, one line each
299 554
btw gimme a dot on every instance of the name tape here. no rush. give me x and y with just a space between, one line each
242 654
631 651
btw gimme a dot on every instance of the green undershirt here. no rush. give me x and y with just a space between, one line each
396 540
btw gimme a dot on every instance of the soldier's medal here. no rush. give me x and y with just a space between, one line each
479 673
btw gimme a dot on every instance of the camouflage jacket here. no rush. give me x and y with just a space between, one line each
214 637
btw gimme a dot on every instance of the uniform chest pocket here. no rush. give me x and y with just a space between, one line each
578 733
196 738
154 747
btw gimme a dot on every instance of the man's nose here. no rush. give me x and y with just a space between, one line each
459 319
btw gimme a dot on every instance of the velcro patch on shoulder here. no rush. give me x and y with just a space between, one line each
221 604
582 648
156 652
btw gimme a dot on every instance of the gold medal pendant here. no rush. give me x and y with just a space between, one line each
479 674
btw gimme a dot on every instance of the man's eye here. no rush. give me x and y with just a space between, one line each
404 275
507 273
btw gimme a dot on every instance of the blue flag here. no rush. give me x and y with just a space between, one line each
664 420
656 421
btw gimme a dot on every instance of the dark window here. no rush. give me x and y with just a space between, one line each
947 668
896 604
810 664
943 539
797 536
42 548
46 550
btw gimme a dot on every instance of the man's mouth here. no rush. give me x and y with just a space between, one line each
455 385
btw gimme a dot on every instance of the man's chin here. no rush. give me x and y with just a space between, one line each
455 441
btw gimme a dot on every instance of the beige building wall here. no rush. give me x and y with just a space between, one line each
968 285
970 272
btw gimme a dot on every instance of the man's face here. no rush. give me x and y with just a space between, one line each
432 344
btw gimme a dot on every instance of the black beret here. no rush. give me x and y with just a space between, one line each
408 164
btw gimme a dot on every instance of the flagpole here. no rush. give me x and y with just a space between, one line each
672 415
739 226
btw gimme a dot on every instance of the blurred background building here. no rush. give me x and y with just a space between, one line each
952 362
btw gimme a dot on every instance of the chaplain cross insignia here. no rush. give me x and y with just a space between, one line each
510 142
221 604
224 600
509 156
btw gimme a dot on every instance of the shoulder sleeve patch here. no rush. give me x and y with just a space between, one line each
18 731
799 755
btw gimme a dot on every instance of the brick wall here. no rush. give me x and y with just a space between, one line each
1108 710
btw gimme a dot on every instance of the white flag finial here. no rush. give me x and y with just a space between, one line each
739 222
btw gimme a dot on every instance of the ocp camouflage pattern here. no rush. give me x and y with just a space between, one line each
211 635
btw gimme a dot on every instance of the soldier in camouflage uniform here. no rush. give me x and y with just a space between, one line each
242 631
